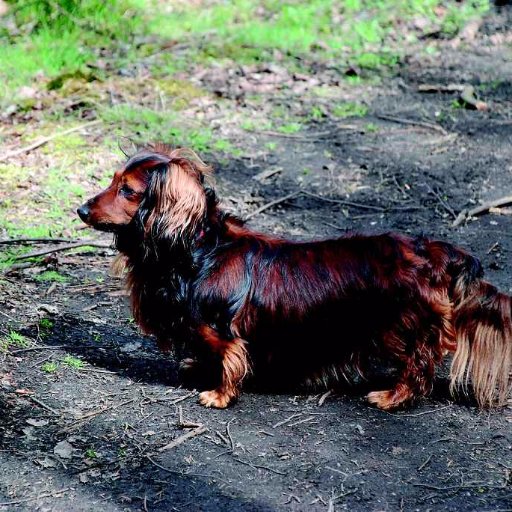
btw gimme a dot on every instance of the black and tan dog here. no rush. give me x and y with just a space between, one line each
312 311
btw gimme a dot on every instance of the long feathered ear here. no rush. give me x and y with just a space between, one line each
176 197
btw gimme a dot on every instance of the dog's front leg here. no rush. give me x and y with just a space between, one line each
234 367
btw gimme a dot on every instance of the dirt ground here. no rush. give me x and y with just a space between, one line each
91 438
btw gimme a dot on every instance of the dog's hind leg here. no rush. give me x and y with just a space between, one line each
234 367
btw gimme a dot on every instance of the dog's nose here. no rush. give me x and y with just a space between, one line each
83 212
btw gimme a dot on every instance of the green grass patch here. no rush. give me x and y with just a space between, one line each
73 362
144 124
349 109
50 367
13 339
62 36
51 276
248 31
290 128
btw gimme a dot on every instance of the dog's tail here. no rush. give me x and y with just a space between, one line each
482 321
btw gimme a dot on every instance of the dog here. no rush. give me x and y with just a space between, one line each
316 312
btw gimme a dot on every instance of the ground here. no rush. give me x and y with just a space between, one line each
90 408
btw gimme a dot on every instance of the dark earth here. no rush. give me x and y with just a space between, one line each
90 438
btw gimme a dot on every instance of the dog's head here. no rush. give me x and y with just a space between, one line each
163 188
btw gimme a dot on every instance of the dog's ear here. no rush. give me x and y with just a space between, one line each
176 196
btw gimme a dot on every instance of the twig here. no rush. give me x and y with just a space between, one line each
316 196
186 424
344 202
184 397
423 124
422 413
429 458
185 437
51 347
305 420
483 208
280 423
38 497
324 397
440 88
13 241
272 203
45 140
97 412
163 467
442 202
43 405
258 466
228 432
295 136
67 247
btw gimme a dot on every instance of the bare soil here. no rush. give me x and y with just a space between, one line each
89 438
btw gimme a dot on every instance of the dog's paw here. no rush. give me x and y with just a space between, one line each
214 398
382 399
391 398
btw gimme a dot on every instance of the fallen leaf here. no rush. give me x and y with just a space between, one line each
37 423
64 449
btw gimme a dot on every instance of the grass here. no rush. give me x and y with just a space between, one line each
73 362
248 31
124 62
51 276
348 109
50 367
13 339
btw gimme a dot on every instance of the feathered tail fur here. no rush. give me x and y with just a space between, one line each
482 319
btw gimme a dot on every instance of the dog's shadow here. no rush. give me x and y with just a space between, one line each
123 350
115 348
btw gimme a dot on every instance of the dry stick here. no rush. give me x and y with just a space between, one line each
424 124
38 497
51 347
259 466
92 414
68 247
425 463
175 472
185 437
228 432
280 423
442 202
483 208
316 196
43 405
272 203
35 240
344 202
45 140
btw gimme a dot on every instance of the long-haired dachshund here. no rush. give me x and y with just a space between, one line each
314 312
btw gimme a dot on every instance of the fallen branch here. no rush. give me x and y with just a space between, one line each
97 412
272 203
423 124
61 248
280 423
38 497
14 241
258 466
43 405
440 88
483 208
316 196
45 140
344 202
185 437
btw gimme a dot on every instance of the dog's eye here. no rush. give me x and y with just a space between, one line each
126 191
